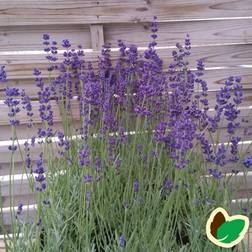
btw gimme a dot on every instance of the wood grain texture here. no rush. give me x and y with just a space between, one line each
22 191
201 32
24 119
233 60
215 79
33 12
30 37
97 36
20 165
23 132
36 118
18 157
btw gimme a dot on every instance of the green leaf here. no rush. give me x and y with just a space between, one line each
229 231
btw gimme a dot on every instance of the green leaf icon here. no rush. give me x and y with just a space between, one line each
229 231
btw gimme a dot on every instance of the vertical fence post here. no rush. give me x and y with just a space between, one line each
97 36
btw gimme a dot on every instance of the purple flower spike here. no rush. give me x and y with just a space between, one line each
26 102
66 43
12 102
98 164
88 179
40 178
122 241
84 156
46 202
118 164
46 37
20 208
215 173
12 148
136 186
248 162
167 184
3 76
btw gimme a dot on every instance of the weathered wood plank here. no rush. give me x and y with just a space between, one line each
20 167
26 216
233 60
31 12
5 154
26 199
201 33
16 38
97 36
24 119
23 190
5 157
36 118
23 132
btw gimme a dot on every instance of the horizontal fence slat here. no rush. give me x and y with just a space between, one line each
23 193
201 32
215 80
5 154
27 215
24 119
36 118
23 132
35 12
5 157
30 37
221 60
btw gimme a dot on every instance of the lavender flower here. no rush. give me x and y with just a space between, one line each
3 76
84 156
180 140
26 102
88 179
33 141
66 43
62 141
234 148
167 184
111 147
45 108
247 162
27 156
118 164
220 155
98 164
20 208
46 202
215 173
136 186
40 178
122 241
12 148
12 102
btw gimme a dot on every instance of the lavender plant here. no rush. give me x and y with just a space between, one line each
130 176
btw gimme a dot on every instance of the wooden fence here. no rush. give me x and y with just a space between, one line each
220 31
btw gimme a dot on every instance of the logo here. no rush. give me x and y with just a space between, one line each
226 231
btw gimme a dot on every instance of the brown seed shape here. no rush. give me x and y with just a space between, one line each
217 221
